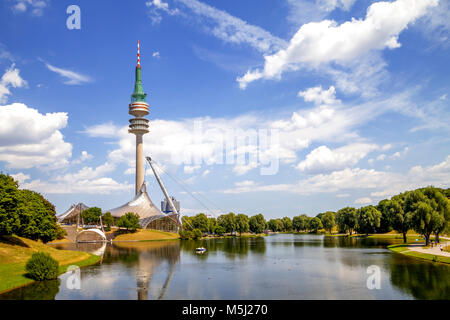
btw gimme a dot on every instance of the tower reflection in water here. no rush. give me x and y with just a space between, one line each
147 258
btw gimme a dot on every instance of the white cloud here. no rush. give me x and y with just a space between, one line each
400 154
73 78
226 27
35 6
155 5
363 200
156 55
443 97
11 78
20 177
206 172
322 159
191 169
323 42
381 157
319 96
314 10
83 157
104 130
40 145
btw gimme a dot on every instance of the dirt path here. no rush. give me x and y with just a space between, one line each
434 251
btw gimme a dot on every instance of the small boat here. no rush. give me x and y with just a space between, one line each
200 250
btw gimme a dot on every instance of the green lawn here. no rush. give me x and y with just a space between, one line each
15 251
403 249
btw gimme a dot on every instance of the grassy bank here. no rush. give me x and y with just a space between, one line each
146 235
15 251
403 249
244 235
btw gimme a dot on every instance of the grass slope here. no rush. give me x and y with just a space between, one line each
147 235
15 251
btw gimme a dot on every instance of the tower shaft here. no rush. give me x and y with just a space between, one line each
139 162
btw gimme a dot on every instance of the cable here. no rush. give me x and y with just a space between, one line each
185 189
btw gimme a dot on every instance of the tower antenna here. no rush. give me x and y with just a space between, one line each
138 56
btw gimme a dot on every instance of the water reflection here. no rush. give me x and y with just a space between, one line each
283 266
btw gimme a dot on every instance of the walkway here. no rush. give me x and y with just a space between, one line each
434 251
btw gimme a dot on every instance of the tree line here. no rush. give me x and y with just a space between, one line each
424 210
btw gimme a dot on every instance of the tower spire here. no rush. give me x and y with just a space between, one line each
138 57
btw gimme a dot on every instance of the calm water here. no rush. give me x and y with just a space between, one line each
283 266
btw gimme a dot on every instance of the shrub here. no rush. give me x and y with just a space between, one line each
41 266
60 232
186 234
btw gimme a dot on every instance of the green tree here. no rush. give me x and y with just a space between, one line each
220 230
273 225
228 221
92 215
242 223
108 219
328 220
399 217
300 223
429 210
9 199
347 219
315 224
200 221
186 223
197 234
385 221
368 219
287 224
130 221
257 223
212 224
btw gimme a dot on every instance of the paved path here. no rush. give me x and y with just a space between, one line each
434 251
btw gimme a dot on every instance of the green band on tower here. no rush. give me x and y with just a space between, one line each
138 94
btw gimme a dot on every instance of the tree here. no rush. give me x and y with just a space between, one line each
186 223
328 220
287 224
228 221
368 219
242 223
399 217
92 215
130 221
197 234
257 223
276 225
346 219
200 221
300 223
429 210
212 224
385 221
9 193
108 219
220 230
315 224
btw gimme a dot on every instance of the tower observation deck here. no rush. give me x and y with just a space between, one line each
138 108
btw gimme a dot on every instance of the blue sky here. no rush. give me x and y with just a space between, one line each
352 96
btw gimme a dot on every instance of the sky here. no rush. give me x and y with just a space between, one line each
274 107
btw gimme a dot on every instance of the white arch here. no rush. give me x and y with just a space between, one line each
98 231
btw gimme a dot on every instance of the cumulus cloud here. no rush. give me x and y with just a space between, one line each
323 159
40 145
314 10
155 6
11 78
83 157
319 95
364 200
317 43
73 78
380 184
20 177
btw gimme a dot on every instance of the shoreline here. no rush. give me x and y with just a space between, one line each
428 254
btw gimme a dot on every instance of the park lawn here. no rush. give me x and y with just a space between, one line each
15 251
147 235
403 249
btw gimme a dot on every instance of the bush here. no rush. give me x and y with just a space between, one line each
41 266
60 232
186 234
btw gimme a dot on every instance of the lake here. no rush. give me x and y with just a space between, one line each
281 266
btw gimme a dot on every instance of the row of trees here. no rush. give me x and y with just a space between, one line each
425 210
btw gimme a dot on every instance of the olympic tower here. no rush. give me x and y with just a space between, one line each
139 108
